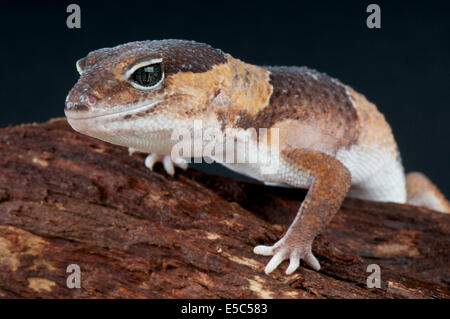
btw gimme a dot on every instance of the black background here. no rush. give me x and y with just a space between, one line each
402 67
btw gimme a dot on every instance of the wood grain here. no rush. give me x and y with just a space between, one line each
70 199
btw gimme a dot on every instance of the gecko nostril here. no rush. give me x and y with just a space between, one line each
91 100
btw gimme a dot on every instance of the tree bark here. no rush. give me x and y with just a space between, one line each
70 199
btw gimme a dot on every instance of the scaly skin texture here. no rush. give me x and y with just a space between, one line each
330 139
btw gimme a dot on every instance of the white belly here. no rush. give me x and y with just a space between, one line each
376 174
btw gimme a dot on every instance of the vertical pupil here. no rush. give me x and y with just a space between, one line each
148 75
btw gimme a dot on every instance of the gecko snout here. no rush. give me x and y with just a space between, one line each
77 103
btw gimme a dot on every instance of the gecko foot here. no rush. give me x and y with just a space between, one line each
166 160
168 163
282 251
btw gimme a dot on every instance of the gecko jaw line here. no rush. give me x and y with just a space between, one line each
111 115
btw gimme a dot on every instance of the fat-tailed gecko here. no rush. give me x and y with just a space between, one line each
331 139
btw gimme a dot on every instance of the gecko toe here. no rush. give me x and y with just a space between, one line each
294 263
311 260
168 165
150 161
274 262
263 250
282 251
181 163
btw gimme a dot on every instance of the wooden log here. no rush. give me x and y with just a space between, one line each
70 199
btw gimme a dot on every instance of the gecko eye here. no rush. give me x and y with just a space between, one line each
148 76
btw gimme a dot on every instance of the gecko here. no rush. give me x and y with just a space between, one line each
331 139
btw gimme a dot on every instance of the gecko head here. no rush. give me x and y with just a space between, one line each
132 89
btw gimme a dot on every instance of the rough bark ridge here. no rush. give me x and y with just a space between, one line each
69 199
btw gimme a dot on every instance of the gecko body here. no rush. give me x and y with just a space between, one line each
331 139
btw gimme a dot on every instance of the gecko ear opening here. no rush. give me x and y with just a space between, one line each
80 65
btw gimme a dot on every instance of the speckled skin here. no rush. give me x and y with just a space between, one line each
331 139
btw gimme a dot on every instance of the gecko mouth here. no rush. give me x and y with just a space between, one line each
76 116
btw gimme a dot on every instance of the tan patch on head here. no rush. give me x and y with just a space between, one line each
250 87
231 87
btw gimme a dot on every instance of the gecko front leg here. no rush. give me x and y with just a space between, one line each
169 164
330 183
